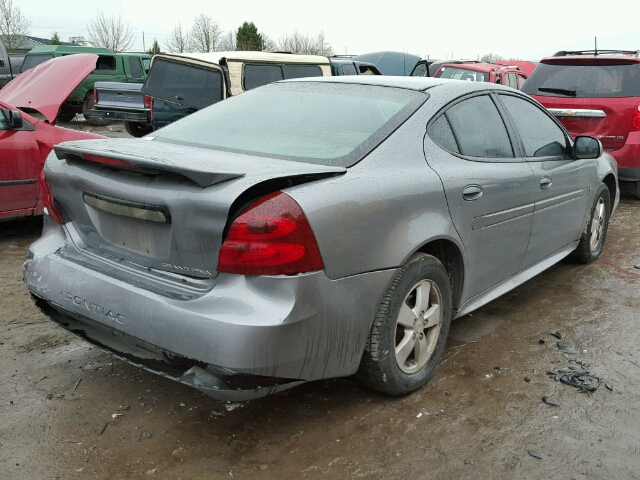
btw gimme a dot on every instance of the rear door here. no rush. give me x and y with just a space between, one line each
20 166
490 192
590 98
562 184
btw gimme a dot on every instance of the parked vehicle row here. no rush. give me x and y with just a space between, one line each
9 65
508 75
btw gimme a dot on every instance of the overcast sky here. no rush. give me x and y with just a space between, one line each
438 29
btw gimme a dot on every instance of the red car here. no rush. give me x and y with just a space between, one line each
509 75
596 93
25 141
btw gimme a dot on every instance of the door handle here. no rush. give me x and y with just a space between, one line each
472 192
545 182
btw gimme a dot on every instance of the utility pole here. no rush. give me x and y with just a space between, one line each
144 47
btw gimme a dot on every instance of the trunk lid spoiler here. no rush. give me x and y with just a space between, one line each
205 167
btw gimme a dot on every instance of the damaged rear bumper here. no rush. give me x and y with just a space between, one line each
276 331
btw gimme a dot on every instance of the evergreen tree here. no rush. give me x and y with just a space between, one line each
248 38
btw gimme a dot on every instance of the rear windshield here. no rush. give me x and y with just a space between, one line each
462 74
321 123
188 85
584 81
31 61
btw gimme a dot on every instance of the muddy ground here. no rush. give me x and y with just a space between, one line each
69 411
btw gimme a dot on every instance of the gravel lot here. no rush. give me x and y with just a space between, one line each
70 411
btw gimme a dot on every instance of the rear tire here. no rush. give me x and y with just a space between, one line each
410 329
594 233
86 111
137 130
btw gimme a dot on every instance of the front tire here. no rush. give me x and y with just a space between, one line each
410 329
594 233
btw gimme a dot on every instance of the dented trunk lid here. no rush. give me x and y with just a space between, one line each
162 206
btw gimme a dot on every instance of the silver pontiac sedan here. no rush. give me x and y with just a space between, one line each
312 229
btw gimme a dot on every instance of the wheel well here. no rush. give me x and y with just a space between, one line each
449 254
610 182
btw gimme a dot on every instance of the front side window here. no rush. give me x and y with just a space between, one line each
512 80
349 69
420 70
541 136
479 129
311 122
184 84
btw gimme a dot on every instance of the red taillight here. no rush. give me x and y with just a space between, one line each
106 160
146 99
635 123
151 107
95 96
49 202
270 237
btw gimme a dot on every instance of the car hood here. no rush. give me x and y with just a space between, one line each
45 87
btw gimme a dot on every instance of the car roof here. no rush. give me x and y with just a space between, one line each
216 57
479 66
391 63
68 49
409 83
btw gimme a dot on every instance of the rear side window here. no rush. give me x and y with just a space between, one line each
349 70
479 129
134 66
106 63
584 81
441 133
301 71
541 136
456 73
258 75
31 61
184 84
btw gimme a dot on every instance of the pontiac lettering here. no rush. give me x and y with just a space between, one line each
186 269
95 309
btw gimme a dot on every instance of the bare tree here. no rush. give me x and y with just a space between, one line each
178 40
205 34
228 42
323 47
268 43
110 32
305 44
13 25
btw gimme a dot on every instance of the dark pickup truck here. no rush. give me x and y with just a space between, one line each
9 65
124 102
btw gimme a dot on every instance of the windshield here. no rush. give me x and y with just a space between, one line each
584 81
321 123
456 73
31 61
184 84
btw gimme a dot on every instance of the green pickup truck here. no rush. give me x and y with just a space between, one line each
110 67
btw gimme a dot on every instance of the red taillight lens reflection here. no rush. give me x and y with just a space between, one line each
49 202
95 96
271 237
146 99
635 123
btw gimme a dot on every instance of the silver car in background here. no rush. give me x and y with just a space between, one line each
313 228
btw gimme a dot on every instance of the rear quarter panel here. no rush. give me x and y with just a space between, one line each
382 210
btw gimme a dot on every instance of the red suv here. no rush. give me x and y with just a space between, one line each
509 75
596 93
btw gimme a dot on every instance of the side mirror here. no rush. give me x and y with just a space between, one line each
587 147
12 118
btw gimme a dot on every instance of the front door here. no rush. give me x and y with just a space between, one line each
489 191
562 184
20 166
